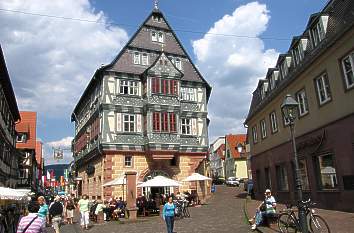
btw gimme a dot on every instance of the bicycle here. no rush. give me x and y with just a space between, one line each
288 222
182 210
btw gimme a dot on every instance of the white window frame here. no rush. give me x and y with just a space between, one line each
128 161
131 120
186 126
273 122
317 33
144 59
188 94
128 86
263 129
136 58
322 87
284 69
160 37
178 63
302 100
254 134
154 36
346 72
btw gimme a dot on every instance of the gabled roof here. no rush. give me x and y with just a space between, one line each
7 87
190 71
159 69
232 141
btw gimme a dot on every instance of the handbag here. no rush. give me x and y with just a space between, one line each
29 224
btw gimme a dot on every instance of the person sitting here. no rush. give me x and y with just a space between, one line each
265 209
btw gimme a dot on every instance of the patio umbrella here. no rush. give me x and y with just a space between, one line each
122 180
160 181
196 177
11 194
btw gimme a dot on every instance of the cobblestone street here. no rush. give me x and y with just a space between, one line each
223 213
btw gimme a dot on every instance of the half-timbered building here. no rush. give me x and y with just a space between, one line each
146 111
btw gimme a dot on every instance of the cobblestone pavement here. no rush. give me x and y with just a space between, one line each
223 213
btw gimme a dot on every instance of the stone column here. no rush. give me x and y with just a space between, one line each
131 195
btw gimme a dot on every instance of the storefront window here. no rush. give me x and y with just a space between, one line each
282 178
327 172
303 174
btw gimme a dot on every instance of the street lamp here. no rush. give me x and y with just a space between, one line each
239 148
289 110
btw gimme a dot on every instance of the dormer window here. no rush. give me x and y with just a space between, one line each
178 63
156 18
284 68
318 31
298 54
21 137
264 89
145 59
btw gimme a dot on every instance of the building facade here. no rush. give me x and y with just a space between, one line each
146 112
216 157
26 144
235 162
8 118
318 72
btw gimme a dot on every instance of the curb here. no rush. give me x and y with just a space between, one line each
245 212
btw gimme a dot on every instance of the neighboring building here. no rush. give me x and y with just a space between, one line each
318 71
146 111
235 162
216 157
8 118
26 143
40 164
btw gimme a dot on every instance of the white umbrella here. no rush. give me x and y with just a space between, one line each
160 181
11 194
118 181
196 177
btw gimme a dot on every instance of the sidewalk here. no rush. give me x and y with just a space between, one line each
339 222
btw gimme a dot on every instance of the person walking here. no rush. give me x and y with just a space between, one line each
84 211
168 214
32 222
56 213
70 207
43 211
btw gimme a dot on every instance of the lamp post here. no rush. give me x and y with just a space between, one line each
289 111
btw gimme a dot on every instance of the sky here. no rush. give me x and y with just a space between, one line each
52 48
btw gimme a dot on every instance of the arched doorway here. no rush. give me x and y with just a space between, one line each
152 192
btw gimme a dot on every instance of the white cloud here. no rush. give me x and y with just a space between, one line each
65 144
233 65
51 60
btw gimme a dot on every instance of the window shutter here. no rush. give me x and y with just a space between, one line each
153 85
172 122
194 126
119 122
138 122
157 88
156 121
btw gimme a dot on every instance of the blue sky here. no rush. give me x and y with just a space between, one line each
52 60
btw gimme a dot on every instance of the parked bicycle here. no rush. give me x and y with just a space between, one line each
182 210
288 222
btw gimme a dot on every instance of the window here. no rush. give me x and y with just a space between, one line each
348 70
273 122
164 86
156 18
136 58
254 134
303 174
186 125
128 87
282 178
178 63
268 178
164 122
21 137
23 173
263 129
302 100
317 33
129 123
161 37
154 36
284 69
144 59
298 53
188 93
323 90
326 171
128 161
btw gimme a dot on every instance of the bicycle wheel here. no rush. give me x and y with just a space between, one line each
318 224
287 223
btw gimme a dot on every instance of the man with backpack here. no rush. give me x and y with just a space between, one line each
56 213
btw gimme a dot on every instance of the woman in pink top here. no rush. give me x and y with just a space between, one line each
32 223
